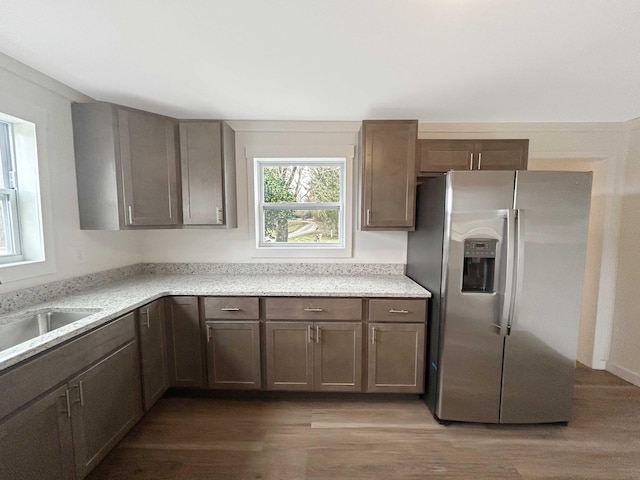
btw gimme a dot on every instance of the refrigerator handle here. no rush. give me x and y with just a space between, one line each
511 218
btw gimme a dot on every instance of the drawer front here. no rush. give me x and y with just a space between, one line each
227 308
27 381
397 310
313 308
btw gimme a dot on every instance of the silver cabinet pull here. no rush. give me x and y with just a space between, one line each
313 309
218 215
393 310
368 216
308 333
480 161
146 323
230 309
317 334
471 162
208 333
67 402
373 335
130 214
80 394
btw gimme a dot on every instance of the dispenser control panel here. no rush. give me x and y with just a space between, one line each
480 248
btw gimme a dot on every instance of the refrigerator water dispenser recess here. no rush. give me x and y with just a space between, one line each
479 265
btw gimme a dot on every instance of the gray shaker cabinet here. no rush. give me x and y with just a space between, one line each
208 168
184 343
153 352
126 167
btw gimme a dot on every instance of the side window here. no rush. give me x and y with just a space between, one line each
10 238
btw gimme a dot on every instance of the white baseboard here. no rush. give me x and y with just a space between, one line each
624 373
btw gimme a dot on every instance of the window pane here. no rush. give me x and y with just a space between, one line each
301 183
5 227
301 226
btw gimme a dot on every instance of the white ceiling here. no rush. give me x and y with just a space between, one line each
434 60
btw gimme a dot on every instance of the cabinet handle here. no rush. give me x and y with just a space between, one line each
218 215
368 216
480 161
471 162
393 310
67 402
313 309
80 394
317 334
208 333
230 309
130 214
308 333
373 335
147 323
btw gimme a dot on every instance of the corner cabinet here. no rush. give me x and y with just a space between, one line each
153 352
126 167
208 168
439 156
388 188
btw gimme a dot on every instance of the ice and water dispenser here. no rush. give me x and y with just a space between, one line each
479 265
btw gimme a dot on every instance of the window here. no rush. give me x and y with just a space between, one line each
10 243
300 203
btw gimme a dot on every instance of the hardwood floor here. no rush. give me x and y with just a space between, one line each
204 438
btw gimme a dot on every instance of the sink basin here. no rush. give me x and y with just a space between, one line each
35 324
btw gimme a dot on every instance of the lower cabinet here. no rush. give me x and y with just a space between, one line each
396 355
233 355
184 343
153 352
307 356
105 404
37 444
67 431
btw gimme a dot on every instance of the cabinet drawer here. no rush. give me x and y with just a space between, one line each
25 382
397 310
243 308
313 308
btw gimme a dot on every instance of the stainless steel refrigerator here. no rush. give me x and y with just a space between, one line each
503 254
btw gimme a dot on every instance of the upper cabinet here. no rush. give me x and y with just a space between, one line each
126 167
388 149
438 156
208 165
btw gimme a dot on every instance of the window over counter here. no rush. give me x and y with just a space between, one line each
303 205
21 230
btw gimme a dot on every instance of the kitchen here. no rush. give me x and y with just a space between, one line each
612 145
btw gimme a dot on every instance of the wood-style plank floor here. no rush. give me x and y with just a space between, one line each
204 438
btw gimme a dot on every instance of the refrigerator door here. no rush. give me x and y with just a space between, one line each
471 344
540 351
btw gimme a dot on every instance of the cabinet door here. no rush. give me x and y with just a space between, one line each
105 405
184 344
201 162
233 355
153 352
149 168
439 156
388 174
337 356
396 357
36 444
502 154
289 355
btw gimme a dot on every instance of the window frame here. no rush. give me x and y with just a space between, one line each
9 190
262 206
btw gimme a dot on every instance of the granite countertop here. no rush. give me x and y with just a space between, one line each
120 297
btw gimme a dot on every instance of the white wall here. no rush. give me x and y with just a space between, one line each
625 346
32 96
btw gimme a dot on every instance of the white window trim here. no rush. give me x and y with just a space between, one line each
254 154
35 201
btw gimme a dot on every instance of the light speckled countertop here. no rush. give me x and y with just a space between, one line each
120 297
